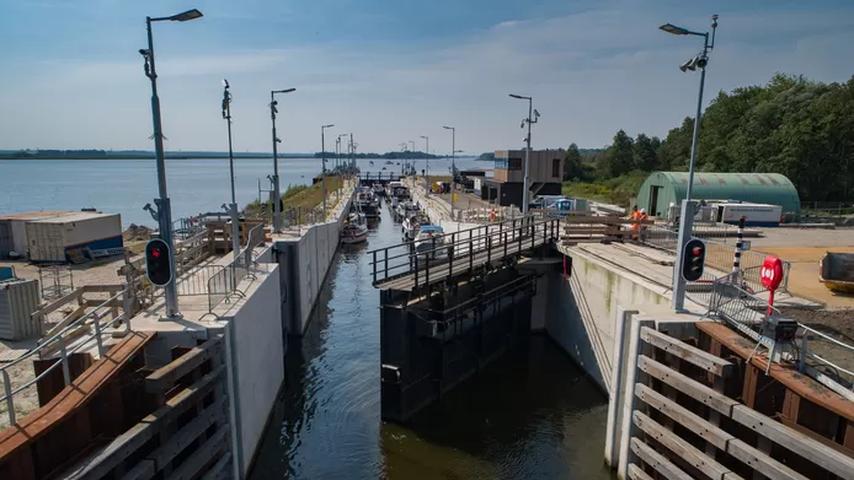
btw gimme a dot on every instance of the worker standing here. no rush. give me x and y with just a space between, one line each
634 217
642 217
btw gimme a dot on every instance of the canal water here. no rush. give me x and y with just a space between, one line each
531 414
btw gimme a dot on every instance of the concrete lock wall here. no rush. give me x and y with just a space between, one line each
257 356
304 263
582 314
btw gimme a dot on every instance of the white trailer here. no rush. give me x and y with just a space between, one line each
83 235
755 214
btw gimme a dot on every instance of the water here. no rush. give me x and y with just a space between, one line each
532 414
125 186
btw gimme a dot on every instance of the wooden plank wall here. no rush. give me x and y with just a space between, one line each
701 413
186 436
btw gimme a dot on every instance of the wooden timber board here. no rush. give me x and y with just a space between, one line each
799 383
73 396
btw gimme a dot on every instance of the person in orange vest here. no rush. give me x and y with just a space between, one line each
634 217
642 217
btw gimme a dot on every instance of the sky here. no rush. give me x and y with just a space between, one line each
390 71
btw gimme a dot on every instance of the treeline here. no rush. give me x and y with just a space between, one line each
794 126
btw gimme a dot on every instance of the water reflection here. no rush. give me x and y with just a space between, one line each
531 414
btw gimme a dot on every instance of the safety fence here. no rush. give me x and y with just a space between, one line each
223 285
445 255
79 336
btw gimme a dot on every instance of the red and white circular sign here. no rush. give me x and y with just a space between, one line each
771 273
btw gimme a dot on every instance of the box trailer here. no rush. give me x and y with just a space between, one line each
76 237
13 231
755 214
18 300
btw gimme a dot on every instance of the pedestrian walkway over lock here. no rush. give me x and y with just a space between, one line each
410 266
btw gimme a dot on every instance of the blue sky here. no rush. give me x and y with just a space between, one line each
391 70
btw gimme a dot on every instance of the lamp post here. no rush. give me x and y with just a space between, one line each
453 164
426 162
323 154
164 208
686 218
529 121
277 200
232 207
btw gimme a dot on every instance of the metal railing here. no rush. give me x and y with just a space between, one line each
56 281
78 336
222 285
460 252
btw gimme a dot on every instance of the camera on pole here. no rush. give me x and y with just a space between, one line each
694 258
157 265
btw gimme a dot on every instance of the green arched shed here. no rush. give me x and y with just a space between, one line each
662 188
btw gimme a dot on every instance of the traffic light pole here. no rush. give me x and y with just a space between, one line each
164 208
686 227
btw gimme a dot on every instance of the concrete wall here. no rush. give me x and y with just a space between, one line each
304 263
257 360
582 314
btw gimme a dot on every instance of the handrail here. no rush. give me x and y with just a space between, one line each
389 264
95 315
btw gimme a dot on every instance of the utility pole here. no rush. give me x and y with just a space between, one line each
529 121
688 205
164 207
232 207
323 155
277 194
426 163
453 165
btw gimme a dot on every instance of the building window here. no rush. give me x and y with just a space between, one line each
501 163
556 167
514 164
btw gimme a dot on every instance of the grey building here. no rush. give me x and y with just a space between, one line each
544 175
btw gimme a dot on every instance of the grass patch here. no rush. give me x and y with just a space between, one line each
618 190
302 197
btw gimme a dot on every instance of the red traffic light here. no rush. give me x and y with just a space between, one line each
693 260
158 266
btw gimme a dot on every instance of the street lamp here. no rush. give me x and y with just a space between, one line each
277 204
323 154
529 121
427 163
453 164
164 209
338 150
687 215
232 207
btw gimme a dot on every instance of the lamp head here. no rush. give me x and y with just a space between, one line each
673 29
186 16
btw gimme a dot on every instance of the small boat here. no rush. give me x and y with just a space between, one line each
379 190
429 242
836 272
355 230
367 203
410 226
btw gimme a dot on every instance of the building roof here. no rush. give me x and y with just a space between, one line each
769 188
35 215
75 217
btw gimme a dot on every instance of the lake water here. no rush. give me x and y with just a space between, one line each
125 186
531 414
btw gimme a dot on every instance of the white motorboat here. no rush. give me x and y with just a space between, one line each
429 242
355 229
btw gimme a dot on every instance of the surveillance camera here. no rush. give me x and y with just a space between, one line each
143 52
691 64
536 113
702 62
225 83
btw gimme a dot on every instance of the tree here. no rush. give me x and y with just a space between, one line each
644 156
572 167
618 158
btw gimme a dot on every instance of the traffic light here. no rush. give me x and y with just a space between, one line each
693 260
158 268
